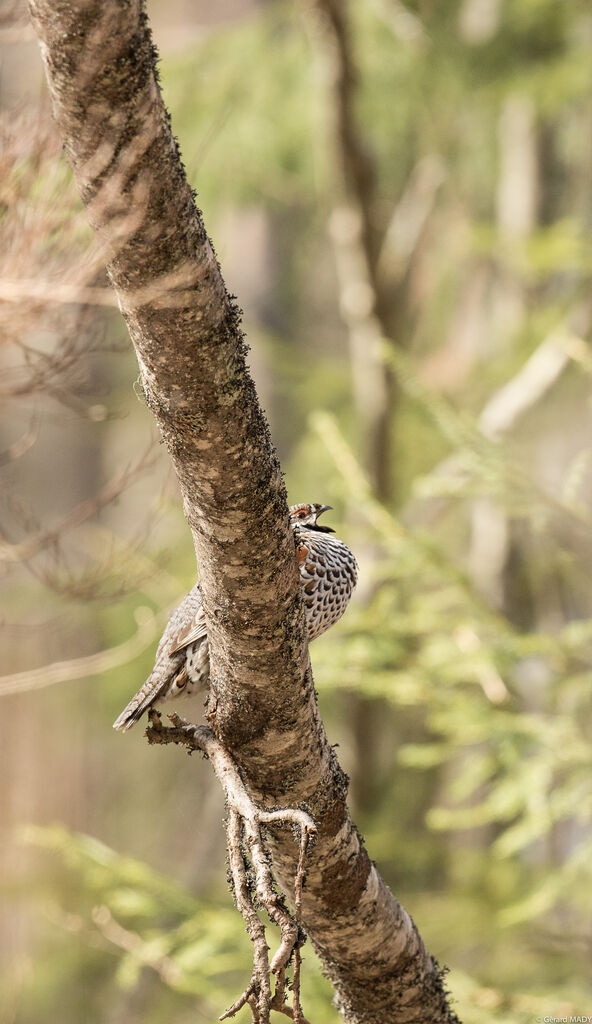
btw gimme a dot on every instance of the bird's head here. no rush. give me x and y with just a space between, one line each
307 515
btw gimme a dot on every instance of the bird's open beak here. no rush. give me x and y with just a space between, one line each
323 529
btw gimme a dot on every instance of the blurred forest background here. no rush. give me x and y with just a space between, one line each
402 204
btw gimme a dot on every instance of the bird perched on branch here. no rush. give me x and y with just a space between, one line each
328 575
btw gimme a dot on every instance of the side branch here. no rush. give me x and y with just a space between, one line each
244 835
201 737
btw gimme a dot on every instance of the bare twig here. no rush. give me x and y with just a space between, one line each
110 935
244 838
21 446
133 943
201 737
259 985
149 626
296 1007
164 292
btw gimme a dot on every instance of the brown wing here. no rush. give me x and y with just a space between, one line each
194 630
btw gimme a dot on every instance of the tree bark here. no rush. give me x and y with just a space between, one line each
100 64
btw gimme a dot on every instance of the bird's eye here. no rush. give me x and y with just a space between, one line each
301 514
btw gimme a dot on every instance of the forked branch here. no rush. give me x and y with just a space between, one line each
245 842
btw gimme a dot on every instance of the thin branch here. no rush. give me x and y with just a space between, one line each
244 836
134 944
149 626
201 737
525 390
259 986
20 447
170 291
411 216
300 872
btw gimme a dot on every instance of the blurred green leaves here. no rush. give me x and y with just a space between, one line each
234 144
118 905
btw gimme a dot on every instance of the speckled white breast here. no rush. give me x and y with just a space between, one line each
329 573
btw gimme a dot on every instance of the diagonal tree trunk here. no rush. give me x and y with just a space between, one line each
100 65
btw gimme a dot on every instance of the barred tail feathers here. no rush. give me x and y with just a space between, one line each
150 694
